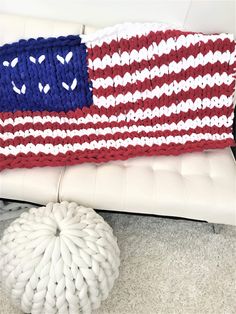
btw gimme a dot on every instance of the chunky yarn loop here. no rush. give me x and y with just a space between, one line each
62 258
125 91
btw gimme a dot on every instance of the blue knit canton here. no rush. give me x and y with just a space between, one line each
44 74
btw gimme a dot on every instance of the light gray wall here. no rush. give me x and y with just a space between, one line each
206 16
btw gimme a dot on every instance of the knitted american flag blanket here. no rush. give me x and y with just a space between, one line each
128 90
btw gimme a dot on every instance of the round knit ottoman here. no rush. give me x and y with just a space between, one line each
62 258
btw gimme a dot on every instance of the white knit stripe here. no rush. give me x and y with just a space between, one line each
148 53
173 67
190 123
131 115
120 31
129 30
143 141
165 89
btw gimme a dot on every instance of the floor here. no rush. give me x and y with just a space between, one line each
168 267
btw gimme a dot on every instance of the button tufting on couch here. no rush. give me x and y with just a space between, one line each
197 185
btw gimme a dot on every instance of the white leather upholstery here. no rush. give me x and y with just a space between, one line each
38 185
14 27
198 185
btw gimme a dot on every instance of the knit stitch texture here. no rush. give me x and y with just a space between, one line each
125 91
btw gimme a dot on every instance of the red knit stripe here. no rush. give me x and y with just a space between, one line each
132 43
145 41
177 56
176 117
103 155
150 84
164 100
118 135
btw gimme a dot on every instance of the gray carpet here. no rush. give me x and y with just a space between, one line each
168 267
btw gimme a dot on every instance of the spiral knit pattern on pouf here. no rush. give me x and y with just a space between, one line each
62 258
125 91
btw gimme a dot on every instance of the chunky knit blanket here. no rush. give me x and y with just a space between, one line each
129 90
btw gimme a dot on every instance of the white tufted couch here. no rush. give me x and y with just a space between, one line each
198 186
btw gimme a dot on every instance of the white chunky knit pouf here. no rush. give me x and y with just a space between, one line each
62 258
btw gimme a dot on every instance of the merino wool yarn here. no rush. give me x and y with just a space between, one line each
62 258
125 91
